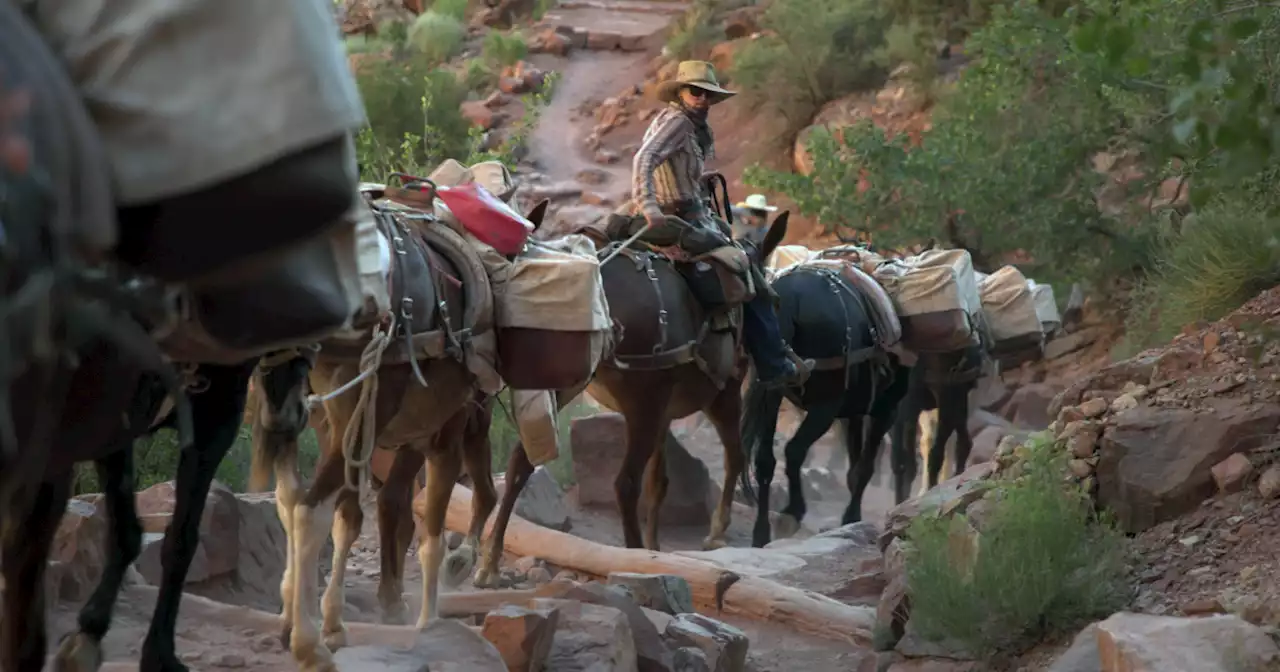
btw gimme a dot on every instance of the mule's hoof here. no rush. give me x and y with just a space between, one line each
710 544
163 664
78 653
485 578
337 639
398 615
286 635
457 567
786 526
318 659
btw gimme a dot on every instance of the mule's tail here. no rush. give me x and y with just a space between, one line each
759 424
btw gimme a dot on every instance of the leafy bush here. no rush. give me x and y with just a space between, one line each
1044 564
541 7
501 50
695 32
454 8
820 50
1224 256
155 460
438 37
415 121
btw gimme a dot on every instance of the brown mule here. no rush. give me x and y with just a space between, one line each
421 402
661 370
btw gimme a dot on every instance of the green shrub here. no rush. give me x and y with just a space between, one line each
541 7
820 50
155 460
454 8
415 120
503 436
501 50
1223 256
696 31
478 77
1045 563
436 36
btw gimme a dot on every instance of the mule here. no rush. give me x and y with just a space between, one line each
672 360
942 382
824 317
82 296
110 386
426 410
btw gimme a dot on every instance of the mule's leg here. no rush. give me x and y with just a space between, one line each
478 462
312 519
443 469
288 494
765 464
863 457
519 468
930 434
82 650
656 481
27 540
816 423
953 418
903 457
216 416
347 521
646 425
725 413
395 530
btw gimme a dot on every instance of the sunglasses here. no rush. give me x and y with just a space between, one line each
697 93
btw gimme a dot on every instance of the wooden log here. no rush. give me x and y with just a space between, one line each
749 596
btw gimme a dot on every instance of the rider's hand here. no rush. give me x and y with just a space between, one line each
654 218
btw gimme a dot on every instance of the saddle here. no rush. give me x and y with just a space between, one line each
432 268
718 275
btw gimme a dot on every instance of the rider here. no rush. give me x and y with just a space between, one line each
668 180
753 214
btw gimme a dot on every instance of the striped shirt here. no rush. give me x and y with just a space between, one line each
669 163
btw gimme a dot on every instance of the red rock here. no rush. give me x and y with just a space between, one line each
1130 642
1155 464
1232 473
480 115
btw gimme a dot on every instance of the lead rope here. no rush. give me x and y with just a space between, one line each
366 408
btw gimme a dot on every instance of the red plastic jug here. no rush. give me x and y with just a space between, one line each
487 218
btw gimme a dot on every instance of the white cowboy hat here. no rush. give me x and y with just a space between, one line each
698 74
756 202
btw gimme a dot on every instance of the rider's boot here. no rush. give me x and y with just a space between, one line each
763 339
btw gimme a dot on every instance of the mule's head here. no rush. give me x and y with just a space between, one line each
760 249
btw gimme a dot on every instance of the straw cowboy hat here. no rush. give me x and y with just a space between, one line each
756 202
699 74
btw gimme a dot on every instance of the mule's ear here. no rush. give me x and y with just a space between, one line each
777 231
537 213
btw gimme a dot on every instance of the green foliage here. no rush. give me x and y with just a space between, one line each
501 50
414 115
479 77
695 32
1005 167
818 51
1045 563
1224 256
436 36
503 436
541 7
518 131
453 8
155 460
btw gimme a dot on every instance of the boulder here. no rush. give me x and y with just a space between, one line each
948 497
78 547
660 592
1029 406
1156 464
480 115
589 637
652 654
1082 655
542 501
599 446
443 646
724 646
523 636
1130 642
